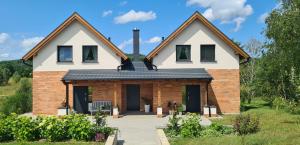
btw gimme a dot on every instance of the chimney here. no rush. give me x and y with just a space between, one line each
136 44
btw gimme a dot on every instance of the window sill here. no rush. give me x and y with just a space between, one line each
64 62
183 61
90 62
208 61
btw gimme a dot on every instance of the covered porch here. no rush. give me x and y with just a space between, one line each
129 90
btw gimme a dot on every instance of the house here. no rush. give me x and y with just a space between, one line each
196 65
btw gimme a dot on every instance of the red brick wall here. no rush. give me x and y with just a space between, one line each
48 92
224 91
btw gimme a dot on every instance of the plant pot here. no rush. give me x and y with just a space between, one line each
171 112
206 110
213 110
159 112
115 112
179 113
99 137
61 111
147 108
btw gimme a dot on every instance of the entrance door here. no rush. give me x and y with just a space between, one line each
193 98
133 97
80 99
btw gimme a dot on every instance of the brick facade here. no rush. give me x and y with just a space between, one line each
224 92
48 92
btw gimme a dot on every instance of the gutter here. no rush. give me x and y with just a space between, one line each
246 61
24 62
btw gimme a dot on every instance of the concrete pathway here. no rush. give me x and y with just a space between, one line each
135 129
140 129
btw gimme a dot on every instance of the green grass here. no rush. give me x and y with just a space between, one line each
277 128
8 90
54 143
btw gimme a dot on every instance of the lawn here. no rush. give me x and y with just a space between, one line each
54 143
277 128
8 90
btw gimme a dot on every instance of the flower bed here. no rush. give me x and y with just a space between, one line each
53 129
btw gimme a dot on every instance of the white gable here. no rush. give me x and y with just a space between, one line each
195 35
77 36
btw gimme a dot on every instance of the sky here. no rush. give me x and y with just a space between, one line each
24 23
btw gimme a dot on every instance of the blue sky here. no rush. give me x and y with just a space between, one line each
25 23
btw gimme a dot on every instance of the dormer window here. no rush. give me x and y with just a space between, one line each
207 53
64 54
183 53
90 53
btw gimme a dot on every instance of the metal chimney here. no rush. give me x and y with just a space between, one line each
136 44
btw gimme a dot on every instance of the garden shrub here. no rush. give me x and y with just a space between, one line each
53 129
191 126
221 128
21 101
25 129
101 130
246 124
6 127
209 132
173 127
290 106
79 127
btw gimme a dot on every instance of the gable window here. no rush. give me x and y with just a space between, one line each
208 53
183 52
64 54
89 53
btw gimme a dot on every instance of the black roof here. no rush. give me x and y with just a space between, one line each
136 70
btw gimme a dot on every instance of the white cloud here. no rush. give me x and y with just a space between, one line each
155 39
3 37
4 55
262 17
229 11
107 13
29 43
125 43
123 3
133 16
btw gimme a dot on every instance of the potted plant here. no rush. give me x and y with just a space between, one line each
100 126
206 110
213 110
180 109
62 109
147 104
159 111
172 105
116 111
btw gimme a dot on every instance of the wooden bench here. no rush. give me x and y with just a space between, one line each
105 106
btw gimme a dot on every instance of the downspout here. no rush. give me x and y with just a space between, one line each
67 95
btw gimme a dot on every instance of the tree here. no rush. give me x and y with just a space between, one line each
279 71
248 70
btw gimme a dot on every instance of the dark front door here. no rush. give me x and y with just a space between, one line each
80 99
193 98
133 97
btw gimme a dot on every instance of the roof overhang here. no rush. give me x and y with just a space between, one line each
110 74
74 17
210 26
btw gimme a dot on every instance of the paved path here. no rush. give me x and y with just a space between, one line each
135 129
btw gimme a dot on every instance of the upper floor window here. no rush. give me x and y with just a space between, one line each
64 54
183 52
208 53
89 53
